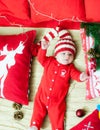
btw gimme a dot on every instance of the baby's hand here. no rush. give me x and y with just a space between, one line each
83 76
44 44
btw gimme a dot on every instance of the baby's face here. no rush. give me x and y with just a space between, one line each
65 57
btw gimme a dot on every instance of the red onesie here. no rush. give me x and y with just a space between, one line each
52 91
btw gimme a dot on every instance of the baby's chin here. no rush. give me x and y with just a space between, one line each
64 63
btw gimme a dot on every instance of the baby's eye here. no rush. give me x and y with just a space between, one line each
63 53
70 54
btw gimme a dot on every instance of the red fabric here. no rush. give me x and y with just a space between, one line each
15 66
35 48
19 8
92 8
17 13
14 13
91 122
57 10
52 24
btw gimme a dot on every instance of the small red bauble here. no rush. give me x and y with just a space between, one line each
80 112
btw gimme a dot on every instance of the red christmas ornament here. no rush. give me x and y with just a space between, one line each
80 112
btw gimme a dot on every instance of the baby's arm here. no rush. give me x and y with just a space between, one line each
41 57
77 74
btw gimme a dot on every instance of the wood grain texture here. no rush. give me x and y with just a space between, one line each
75 99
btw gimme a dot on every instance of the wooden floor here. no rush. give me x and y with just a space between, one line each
75 98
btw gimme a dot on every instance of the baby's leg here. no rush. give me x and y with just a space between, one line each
56 114
39 112
33 128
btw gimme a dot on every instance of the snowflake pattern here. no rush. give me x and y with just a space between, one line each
88 126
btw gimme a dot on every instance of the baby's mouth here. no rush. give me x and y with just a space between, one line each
66 59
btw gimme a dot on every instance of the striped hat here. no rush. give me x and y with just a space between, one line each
65 41
65 45
50 35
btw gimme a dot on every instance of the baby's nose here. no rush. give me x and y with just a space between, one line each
66 56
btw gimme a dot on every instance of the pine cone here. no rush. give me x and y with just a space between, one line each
17 106
91 52
18 115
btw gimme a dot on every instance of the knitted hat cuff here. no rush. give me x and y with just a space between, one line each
63 45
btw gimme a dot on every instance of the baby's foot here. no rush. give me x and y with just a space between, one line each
33 128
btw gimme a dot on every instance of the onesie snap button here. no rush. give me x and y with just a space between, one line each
34 122
52 80
48 97
55 72
47 107
50 89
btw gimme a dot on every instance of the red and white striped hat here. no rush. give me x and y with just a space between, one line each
65 45
65 41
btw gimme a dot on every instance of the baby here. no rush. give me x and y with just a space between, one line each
58 70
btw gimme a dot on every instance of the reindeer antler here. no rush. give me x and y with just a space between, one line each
4 51
17 50
20 48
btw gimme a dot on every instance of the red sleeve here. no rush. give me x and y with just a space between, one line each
42 58
75 73
34 49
